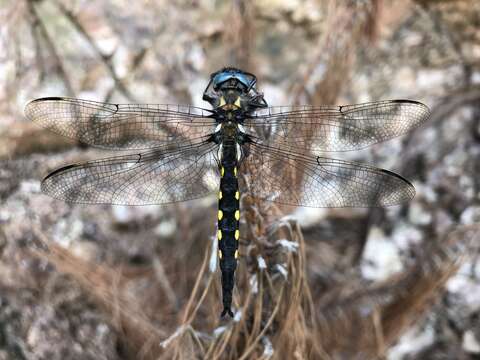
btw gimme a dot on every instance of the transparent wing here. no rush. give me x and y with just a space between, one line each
120 126
336 128
159 176
293 179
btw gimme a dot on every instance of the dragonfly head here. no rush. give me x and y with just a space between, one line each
231 89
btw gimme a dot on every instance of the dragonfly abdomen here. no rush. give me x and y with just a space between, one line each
228 224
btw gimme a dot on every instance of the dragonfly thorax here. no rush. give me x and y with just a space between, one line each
230 129
230 136
230 132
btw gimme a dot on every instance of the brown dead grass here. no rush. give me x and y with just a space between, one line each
279 311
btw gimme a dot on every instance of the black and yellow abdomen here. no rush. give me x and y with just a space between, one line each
228 231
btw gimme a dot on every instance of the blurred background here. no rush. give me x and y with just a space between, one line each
111 282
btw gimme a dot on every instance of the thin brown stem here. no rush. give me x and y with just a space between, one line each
37 23
106 59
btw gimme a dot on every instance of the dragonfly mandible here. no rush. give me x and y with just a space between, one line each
186 152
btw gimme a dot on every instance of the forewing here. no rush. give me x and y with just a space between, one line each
120 126
293 179
336 128
156 177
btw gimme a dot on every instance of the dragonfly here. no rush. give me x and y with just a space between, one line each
180 153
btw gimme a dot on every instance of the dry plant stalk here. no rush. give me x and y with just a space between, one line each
104 58
239 34
39 32
348 25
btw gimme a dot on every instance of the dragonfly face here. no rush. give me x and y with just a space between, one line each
233 90
177 147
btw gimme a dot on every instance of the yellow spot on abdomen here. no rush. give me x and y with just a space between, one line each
220 195
235 171
219 234
237 234
222 171
220 254
237 195
237 214
236 254
220 214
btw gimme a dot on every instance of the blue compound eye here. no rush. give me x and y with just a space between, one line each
221 78
245 79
